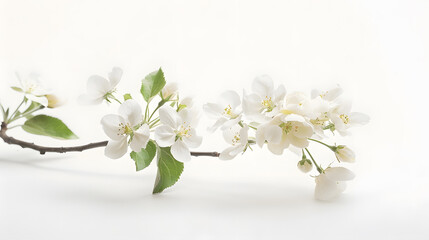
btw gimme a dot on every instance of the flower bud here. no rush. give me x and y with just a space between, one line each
169 91
344 154
53 101
305 165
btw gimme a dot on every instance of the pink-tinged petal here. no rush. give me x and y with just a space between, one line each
111 124
140 138
116 149
180 151
169 117
165 136
115 76
131 111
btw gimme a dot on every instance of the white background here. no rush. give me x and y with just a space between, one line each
376 50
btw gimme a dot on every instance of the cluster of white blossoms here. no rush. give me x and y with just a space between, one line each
282 121
267 115
159 124
174 127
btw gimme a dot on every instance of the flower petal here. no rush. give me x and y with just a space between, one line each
263 86
131 111
169 117
111 126
115 76
193 141
116 149
213 110
164 136
229 98
339 174
325 188
140 138
180 151
217 124
42 100
97 85
298 142
229 153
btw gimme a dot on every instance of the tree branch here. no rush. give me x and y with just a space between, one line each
43 149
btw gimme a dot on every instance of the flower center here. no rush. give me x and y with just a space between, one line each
183 131
345 118
320 120
227 111
125 129
268 104
236 139
288 127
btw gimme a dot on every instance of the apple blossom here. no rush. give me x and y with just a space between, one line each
343 119
32 88
127 124
265 101
236 136
284 130
331 182
177 131
99 88
225 111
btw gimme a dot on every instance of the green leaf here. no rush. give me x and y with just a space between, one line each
169 170
48 126
152 84
17 89
145 156
127 96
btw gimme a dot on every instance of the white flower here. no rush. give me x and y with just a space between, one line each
32 88
265 101
119 127
236 136
329 95
305 165
178 132
331 183
344 154
99 88
169 91
298 103
284 130
343 119
225 111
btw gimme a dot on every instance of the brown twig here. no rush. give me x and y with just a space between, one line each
43 149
